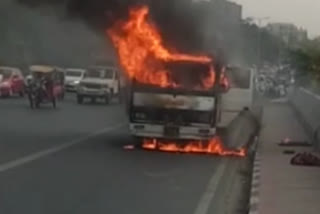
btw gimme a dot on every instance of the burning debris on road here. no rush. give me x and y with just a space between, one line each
144 58
214 146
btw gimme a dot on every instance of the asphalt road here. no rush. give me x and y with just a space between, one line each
71 160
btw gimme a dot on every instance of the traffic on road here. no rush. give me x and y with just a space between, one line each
62 153
72 160
149 127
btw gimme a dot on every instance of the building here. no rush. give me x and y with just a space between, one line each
289 33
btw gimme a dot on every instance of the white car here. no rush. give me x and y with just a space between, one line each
73 77
99 82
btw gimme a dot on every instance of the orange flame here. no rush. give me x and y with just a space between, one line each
214 146
142 53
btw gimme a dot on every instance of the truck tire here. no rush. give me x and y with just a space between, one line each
79 99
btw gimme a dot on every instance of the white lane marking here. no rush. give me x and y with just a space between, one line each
204 203
43 153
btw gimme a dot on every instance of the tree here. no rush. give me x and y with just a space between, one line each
306 60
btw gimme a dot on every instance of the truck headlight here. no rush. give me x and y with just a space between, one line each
76 82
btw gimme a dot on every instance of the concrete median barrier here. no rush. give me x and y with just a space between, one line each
242 130
307 107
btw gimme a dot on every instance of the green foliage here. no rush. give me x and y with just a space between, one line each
306 59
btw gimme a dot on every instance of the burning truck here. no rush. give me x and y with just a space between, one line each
173 96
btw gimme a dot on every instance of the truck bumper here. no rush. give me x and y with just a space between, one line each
184 133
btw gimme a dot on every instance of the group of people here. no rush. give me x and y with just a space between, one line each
274 81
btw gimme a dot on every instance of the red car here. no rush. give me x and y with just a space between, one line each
11 82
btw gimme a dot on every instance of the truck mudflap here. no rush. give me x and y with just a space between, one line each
172 132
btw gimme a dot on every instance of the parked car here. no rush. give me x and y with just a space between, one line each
11 82
99 83
73 77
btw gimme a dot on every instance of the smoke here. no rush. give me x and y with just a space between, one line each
174 17
180 22
46 32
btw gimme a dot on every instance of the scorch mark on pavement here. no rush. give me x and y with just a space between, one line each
26 159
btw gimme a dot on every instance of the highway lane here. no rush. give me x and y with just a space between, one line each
23 130
98 175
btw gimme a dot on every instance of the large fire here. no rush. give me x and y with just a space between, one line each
214 146
143 55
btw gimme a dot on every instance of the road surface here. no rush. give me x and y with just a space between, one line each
71 160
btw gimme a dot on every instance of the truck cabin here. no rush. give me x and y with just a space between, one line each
186 105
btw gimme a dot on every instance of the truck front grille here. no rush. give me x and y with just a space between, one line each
165 116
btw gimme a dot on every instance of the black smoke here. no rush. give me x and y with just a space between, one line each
174 18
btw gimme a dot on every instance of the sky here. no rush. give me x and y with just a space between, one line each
303 13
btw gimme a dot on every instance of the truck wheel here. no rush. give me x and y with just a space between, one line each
79 99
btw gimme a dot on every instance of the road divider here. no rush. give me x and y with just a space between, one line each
307 107
242 130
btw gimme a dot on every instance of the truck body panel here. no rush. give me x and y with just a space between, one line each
172 114
238 97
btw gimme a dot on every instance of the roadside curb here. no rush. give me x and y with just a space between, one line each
255 184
